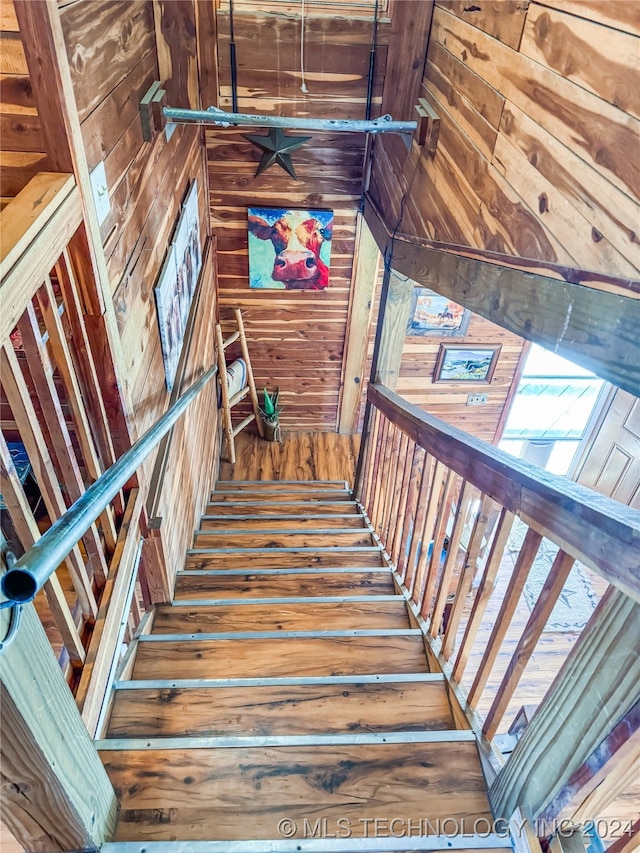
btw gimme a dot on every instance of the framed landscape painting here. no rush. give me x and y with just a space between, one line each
466 363
289 249
433 314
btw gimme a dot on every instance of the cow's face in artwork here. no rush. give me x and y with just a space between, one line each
297 242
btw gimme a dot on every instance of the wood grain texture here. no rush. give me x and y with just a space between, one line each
275 508
281 558
189 587
252 658
284 539
303 709
279 522
330 616
350 781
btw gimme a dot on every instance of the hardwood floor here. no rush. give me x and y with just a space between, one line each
301 456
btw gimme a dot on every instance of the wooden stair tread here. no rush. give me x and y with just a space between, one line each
282 586
279 485
287 710
285 617
282 522
245 792
283 506
282 539
280 558
280 656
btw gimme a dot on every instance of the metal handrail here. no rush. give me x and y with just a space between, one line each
23 580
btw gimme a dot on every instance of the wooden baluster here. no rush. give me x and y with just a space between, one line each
402 484
419 462
467 575
375 462
485 591
397 476
385 476
467 493
31 436
394 455
430 489
379 471
367 465
540 614
512 595
63 361
76 331
425 593
41 372
28 533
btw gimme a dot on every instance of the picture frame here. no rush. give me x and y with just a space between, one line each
177 284
436 315
289 249
466 363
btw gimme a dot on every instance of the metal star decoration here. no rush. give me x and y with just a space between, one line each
277 148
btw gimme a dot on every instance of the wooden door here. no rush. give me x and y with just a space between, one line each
609 460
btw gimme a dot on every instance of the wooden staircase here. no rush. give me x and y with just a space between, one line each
286 694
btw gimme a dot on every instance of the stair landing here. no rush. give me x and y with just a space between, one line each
286 697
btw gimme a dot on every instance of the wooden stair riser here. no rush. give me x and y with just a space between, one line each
288 710
282 558
301 486
282 507
278 496
219 794
284 539
283 617
284 586
280 656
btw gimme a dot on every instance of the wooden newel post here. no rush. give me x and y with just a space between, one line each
56 795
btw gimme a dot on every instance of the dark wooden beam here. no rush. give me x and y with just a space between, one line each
590 319
410 26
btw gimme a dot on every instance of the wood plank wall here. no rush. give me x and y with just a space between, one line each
115 51
296 339
23 152
538 148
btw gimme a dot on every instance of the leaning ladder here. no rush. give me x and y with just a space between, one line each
230 432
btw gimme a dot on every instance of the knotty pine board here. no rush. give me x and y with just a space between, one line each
330 616
266 509
231 793
289 710
249 586
281 539
300 522
265 658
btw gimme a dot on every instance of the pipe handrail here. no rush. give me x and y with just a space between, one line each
23 580
602 533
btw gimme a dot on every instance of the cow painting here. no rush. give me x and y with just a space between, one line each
289 249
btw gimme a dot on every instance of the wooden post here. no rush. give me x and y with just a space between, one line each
392 329
56 793
602 673
365 275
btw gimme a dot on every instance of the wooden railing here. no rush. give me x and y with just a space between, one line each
60 410
444 506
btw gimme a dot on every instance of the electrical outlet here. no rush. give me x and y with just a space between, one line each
476 399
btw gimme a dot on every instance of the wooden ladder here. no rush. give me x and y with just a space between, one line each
230 432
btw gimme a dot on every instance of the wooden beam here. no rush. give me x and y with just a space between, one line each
596 328
597 530
596 687
363 285
408 41
56 795
395 314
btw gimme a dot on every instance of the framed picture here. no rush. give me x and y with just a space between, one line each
433 314
466 363
289 249
177 284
